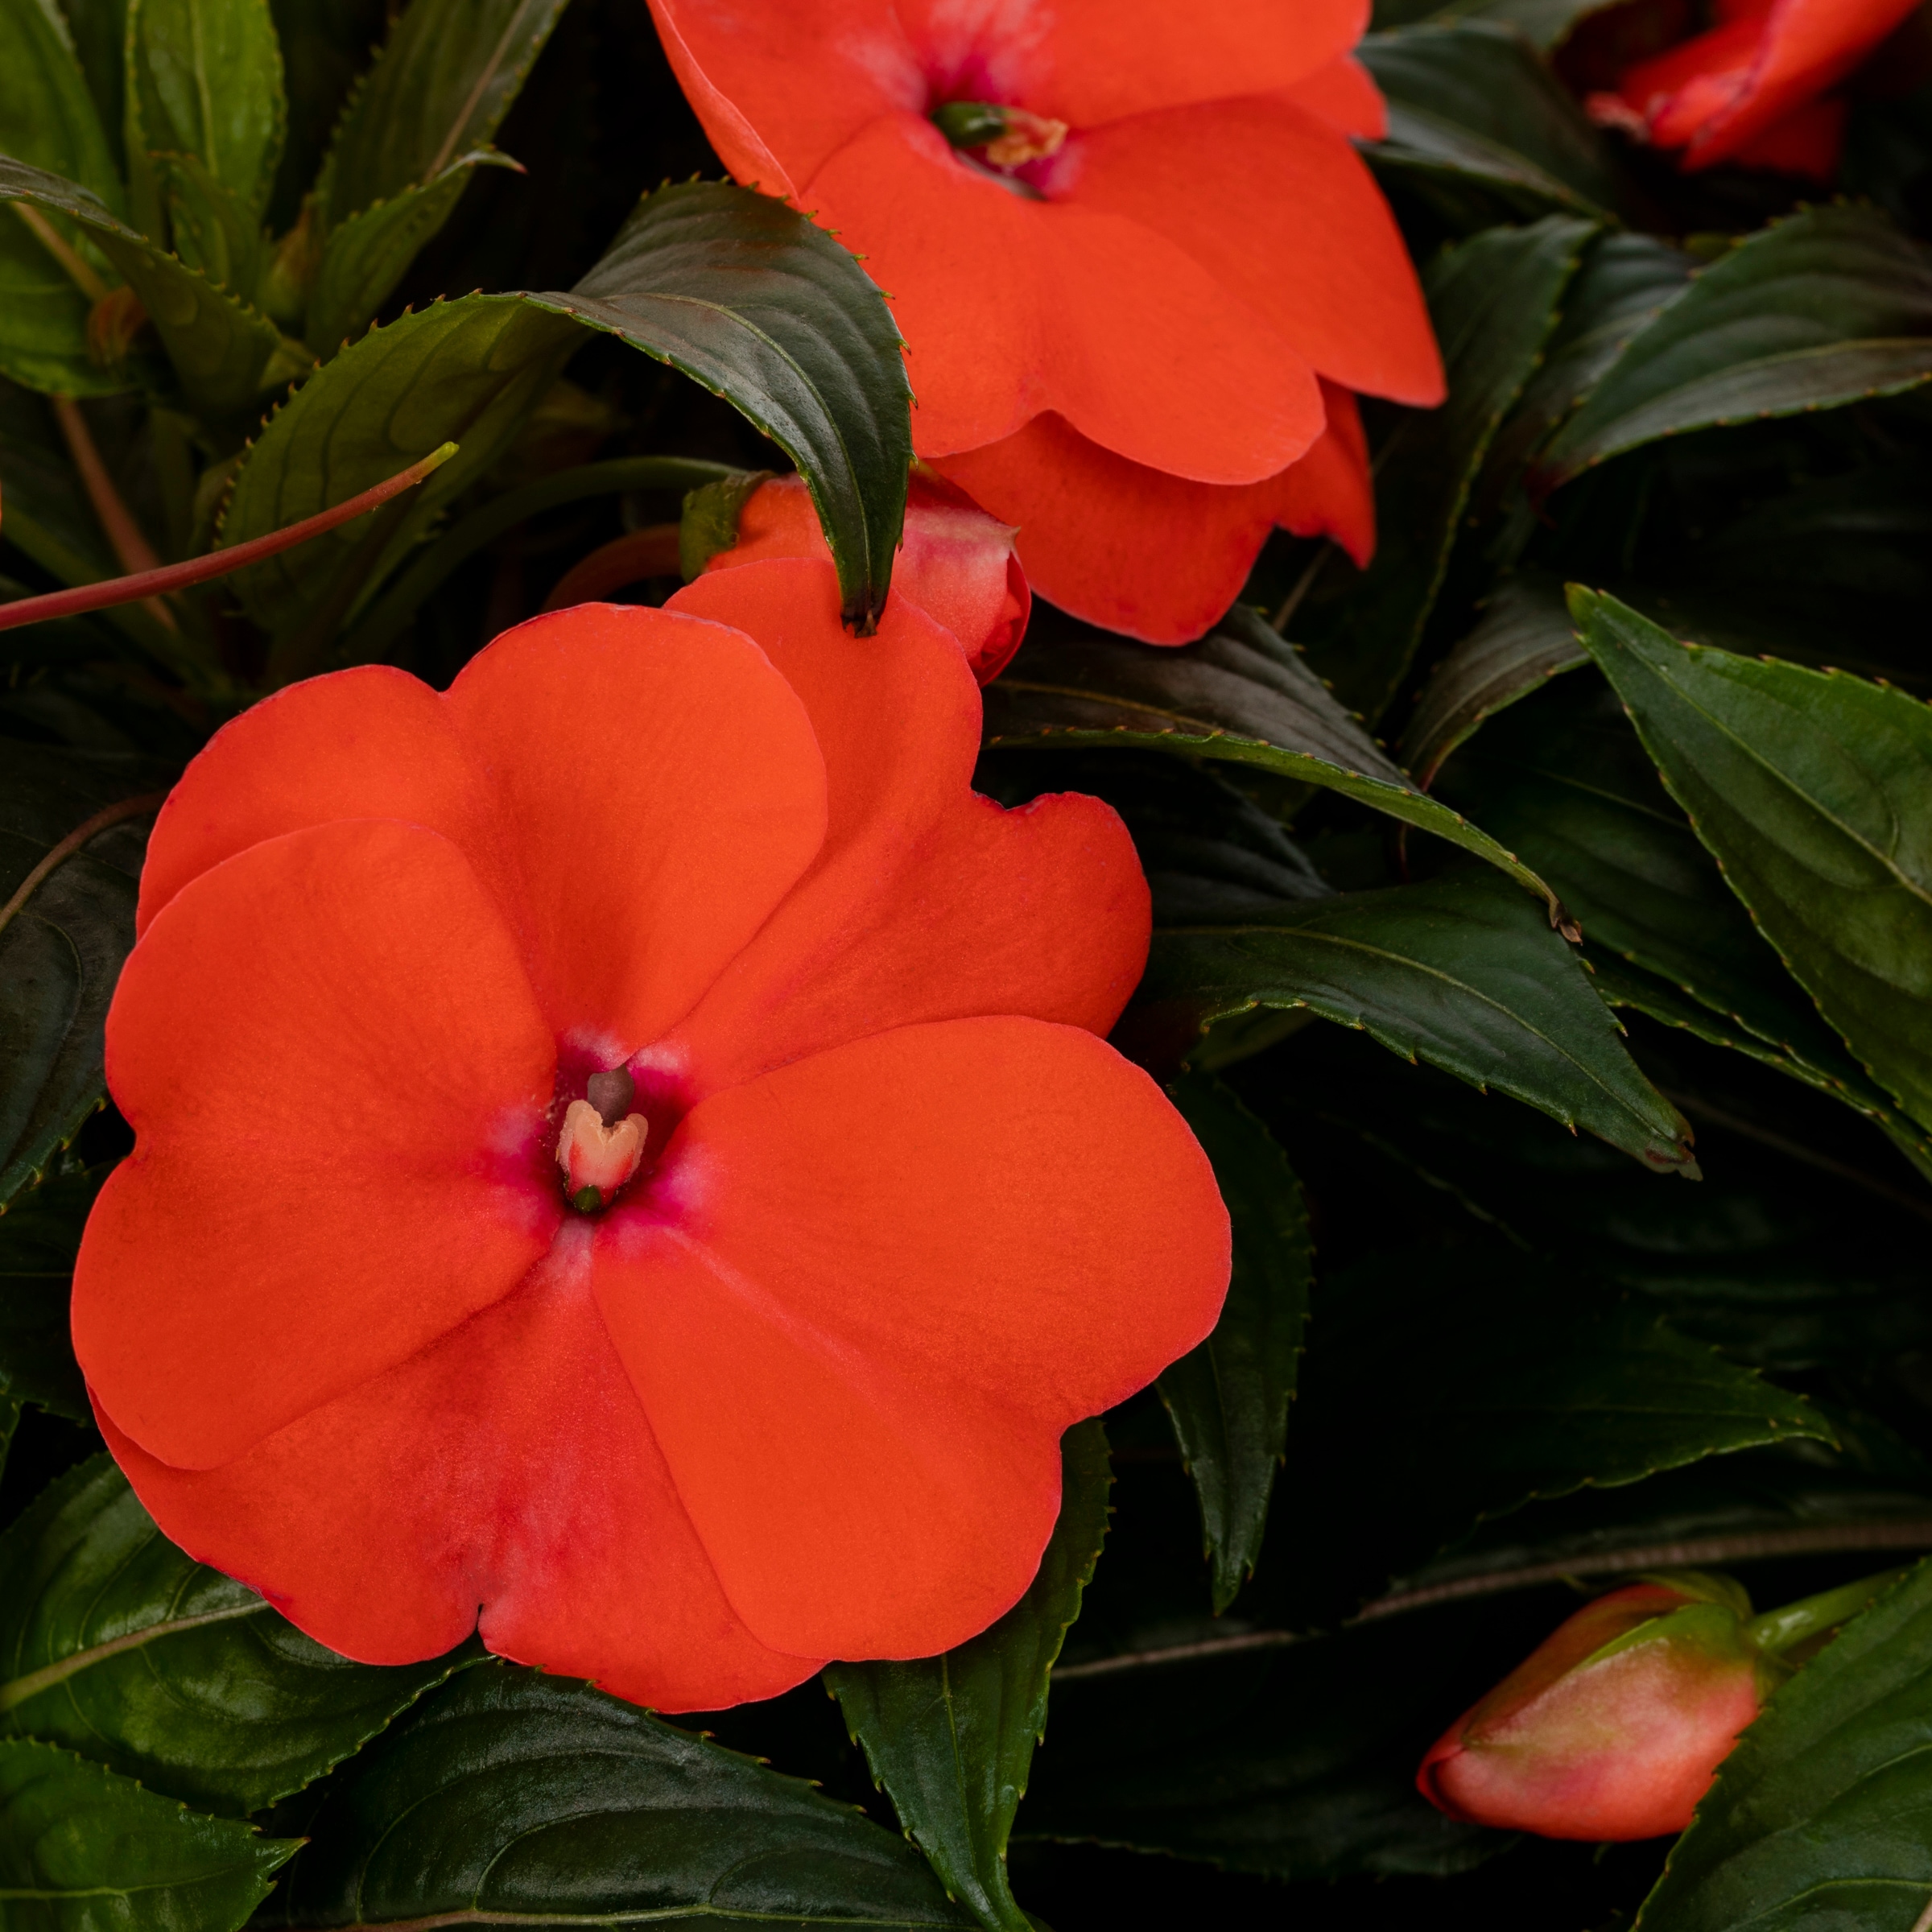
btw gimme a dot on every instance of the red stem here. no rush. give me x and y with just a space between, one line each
216 563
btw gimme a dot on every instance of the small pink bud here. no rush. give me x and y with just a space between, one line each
597 1156
1613 1727
957 563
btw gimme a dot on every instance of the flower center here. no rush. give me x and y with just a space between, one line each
602 1142
1005 137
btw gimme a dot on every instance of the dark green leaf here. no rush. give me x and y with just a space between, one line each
43 316
527 1794
1471 104
950 1737
1229 1398
1525 638
213 231
764 308
365 257
439 90
1242 694
1825 308
1461 970
61 952
114 1642
1440 1392
1545 23
40 1234
205 79
84 1850
1494 301
1822 1815
225 353
1812 789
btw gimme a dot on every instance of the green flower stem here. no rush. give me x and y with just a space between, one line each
1780 1630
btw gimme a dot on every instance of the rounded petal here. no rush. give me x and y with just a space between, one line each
335 1069
1152 556
658 791
872 1288
1343 93
928 902
1278 207
507 1468
371 743
1012 306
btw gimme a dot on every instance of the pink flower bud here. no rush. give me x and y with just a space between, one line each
1613 1727
957 563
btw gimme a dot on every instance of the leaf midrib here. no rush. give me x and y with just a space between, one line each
21 1689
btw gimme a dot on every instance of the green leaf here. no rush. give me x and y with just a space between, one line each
43 317
204 79
764 308
1811 789
1242 694
1525 637
1443 1390
1828 307
951 1737
213 232
1821 1814
528 1795
1569 782
440 89
61 952
1460 971
1470 104
84 1850
225 353
40 1234
114 1642
1494 302
365 257
1228 1399
1544 23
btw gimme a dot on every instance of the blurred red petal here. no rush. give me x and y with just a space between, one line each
857 1366
1343 93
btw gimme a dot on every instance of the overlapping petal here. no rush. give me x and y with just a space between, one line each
927 902
508 1467
1010 306
1152 556
335 1067
841 1327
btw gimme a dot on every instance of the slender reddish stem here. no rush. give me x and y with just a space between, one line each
218 563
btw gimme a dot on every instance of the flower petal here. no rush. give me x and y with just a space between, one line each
508 1466
659 791
1343 93
335 1069
1279 208
874 1288
1012 306
928 902
1152 556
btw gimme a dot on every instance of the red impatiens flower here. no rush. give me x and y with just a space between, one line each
1753 90
627 1145
954 562
1139 266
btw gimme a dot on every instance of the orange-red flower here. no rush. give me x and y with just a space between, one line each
792 1390
1139 266
1754 88
957 563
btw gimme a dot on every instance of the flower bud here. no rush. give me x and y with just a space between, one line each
957 563
1613 1727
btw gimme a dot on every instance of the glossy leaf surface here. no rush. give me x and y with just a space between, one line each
82 1849
951 1737
39 1232
1461 972
1228 1399
1814 790
1494 302
1242 694
535 1795
115 1643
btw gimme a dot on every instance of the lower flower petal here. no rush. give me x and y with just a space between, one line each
1152 556
506 1470
335 1068
928 902
871 1290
